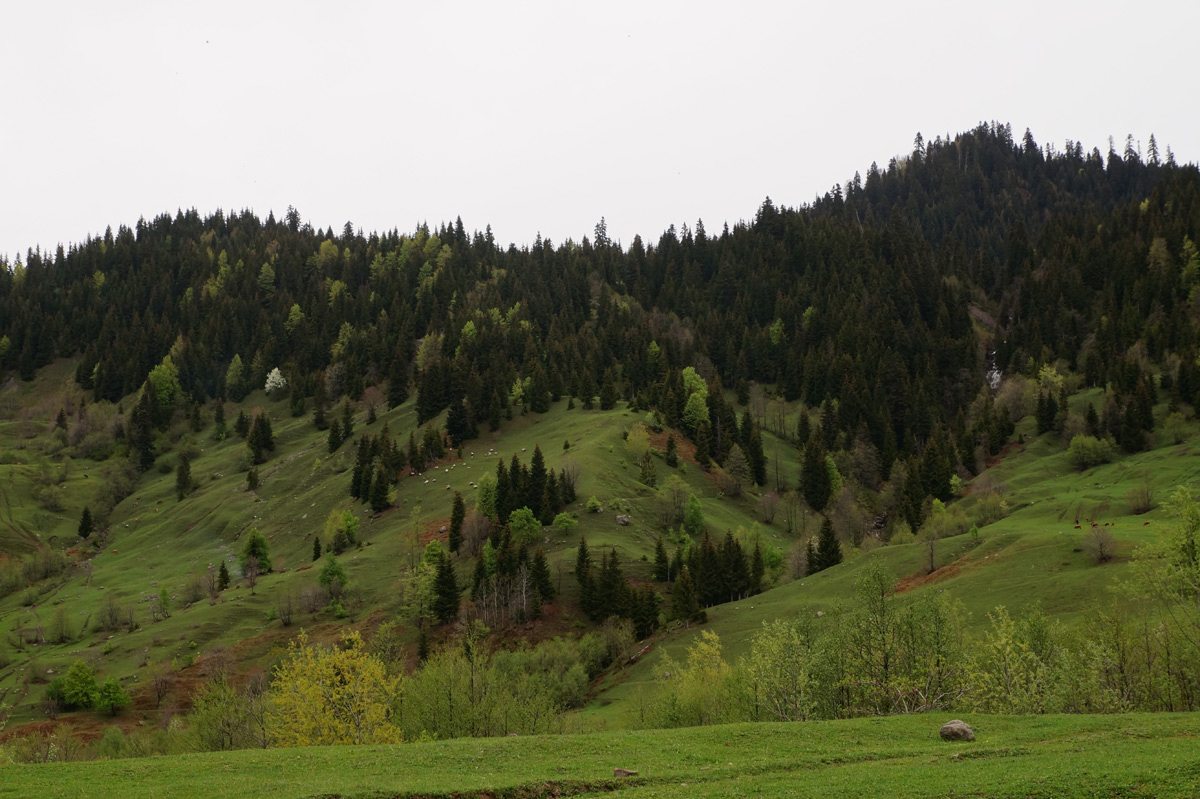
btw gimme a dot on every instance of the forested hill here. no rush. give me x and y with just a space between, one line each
886 295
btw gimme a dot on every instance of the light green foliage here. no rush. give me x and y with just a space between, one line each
295 318
695 412
112 697
341 530
593 505
525 528
693 382
235 376
266 279
433 553
564 522
485 496
637 441
165 378
1085 452
1049 380
79 688
332 576
782 669
702 690
1011 672
693 517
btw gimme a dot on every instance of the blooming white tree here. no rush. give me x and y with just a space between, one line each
276 382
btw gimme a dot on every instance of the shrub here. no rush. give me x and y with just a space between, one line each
1088 451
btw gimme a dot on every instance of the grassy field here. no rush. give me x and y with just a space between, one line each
1044 756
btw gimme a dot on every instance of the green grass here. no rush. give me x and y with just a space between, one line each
1043 756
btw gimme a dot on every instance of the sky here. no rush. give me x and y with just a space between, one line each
543 117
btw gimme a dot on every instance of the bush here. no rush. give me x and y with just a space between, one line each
593 505
1088 451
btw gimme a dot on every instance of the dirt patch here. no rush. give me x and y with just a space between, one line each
947 572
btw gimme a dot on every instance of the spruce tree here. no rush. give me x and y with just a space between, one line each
85 522
829 550
583 573
672 454
379 492
458 512
540 572
316 553
223 577
446 593
685 605
183 477
662 566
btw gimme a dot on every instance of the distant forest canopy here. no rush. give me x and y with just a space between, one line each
886 301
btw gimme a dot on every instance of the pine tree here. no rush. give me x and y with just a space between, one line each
608 391
379 491
446 593
219 431
347 421
829 550
685 605
758 570
662 566
672 454
183 477
316 553
335 438
241 425
583 573
458 513
85 522
223 577
540 572
814 476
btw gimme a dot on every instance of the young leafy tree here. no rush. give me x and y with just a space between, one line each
79 689
332 576
112 697
323 696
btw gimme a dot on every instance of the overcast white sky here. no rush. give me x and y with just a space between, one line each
543 116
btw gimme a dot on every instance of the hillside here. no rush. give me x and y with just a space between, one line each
893 375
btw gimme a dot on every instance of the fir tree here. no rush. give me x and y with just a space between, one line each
446 593
86 524
672 454
379 492
183 477
662 566
458 513
316 552
223 577
829 549
685 605
540 573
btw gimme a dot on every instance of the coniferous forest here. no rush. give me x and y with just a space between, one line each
859 363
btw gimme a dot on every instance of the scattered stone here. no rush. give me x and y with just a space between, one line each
442 529
623 520
624 772
956 730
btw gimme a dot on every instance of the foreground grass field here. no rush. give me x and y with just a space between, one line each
1042 756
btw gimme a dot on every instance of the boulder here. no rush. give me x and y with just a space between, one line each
624 772
956 730
623 521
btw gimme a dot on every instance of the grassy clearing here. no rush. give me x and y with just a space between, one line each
1050 756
